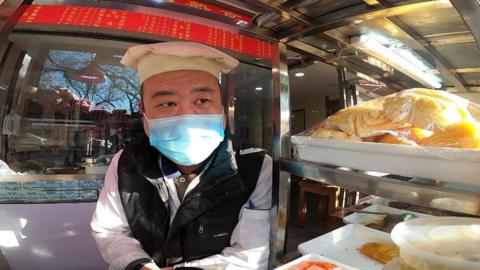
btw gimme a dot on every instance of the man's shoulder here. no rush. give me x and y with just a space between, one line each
138 142
247 154
251 163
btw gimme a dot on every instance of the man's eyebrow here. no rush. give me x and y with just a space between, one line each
162 93
203 89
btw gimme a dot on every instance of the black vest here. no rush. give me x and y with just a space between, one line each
208 214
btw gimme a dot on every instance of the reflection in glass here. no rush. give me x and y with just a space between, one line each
83 109
251 105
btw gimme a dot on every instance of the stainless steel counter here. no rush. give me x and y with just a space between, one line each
453 197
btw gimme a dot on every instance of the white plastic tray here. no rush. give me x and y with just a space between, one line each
364 219
343 245
435 163
314 257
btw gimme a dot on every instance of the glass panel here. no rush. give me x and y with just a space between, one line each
71 107
251 106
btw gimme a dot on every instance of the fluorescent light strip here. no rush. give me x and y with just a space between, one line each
381 52
377 63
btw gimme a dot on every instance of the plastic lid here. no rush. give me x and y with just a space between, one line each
452 241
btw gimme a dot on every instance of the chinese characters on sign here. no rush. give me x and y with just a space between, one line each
146 23
214 9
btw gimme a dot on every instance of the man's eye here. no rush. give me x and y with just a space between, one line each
168 104
202 101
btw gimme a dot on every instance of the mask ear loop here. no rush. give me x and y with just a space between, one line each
141 107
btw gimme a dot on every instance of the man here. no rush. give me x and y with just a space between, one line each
186 195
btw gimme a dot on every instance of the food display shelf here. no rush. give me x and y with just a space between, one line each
433 163
458 198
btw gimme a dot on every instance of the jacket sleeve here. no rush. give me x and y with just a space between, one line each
250 239
110 228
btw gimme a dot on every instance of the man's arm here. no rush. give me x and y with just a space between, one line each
111 230
250 239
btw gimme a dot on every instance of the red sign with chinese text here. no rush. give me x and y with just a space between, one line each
214 9
146 23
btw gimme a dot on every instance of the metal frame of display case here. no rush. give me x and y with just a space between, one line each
459 198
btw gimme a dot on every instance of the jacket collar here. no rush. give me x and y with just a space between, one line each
220 165
145 157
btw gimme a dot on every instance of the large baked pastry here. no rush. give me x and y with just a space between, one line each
416 116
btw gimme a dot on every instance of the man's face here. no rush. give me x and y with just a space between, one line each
180 92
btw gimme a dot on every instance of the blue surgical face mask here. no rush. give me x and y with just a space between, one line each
187 139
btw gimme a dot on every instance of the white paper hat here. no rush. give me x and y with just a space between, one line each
151 59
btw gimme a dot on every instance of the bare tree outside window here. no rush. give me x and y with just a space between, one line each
120 89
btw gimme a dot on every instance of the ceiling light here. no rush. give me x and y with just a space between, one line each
371 2
242 23
89 74
376 49
299 74
259 88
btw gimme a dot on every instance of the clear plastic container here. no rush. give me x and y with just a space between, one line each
440 243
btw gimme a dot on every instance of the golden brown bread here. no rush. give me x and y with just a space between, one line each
362 121
404 136
325 133
425 111
416 116
458 135
474 110
391 139
382 252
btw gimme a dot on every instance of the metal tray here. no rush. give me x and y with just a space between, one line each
365 219
435 163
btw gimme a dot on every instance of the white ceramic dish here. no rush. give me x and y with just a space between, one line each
314 257
435 163
343 245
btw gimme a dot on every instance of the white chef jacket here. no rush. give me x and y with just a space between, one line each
249 241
